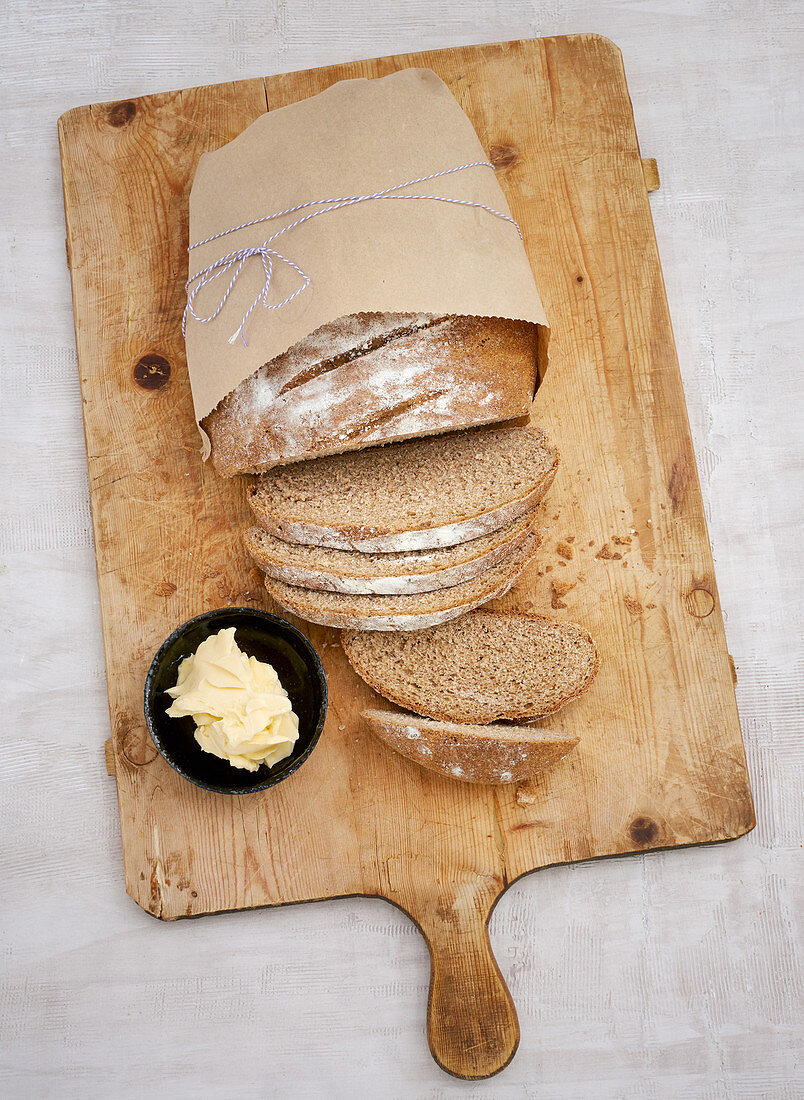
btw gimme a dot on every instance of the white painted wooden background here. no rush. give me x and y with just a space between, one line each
667 975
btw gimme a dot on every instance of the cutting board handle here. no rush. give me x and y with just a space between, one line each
472 1026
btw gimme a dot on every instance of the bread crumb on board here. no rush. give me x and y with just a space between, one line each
558 590
606 553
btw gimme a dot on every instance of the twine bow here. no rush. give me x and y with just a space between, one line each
233 263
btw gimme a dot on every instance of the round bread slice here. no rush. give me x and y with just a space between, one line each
405 572
381 613
487 666
470 754
417 495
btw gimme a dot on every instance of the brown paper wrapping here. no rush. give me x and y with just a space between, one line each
357 137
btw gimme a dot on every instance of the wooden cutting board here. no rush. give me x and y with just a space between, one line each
626 553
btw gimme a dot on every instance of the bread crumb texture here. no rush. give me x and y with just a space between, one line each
481 668
404 486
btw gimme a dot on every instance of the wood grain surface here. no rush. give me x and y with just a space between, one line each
661 761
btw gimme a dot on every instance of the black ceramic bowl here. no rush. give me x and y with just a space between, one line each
260 635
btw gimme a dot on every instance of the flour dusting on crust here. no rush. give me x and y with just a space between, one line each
494 754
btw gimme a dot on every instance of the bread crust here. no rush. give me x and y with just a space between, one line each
368 379
349 615
470 753
399 584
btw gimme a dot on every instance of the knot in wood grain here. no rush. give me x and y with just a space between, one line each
137 747
121 114
152 372
504 155
699 601
643 831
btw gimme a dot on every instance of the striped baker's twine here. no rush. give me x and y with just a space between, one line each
234 262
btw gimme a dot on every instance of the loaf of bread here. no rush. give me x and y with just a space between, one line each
419 495
485 667
403 573
373 378
402 613
470 754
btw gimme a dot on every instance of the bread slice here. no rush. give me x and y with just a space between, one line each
405 572
418 495
371 378
471 754
487 666
380 613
